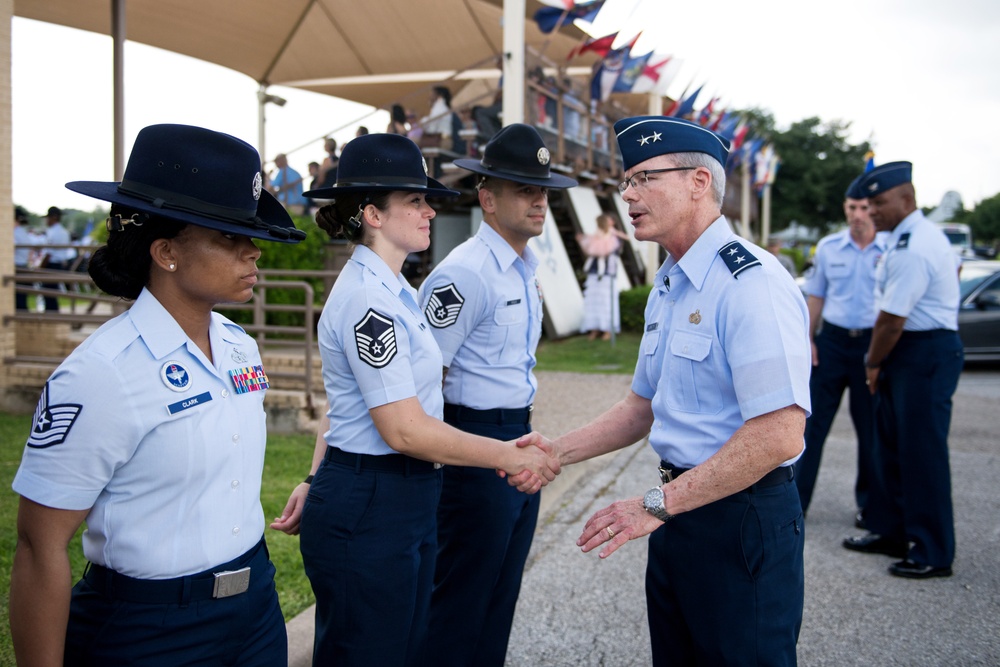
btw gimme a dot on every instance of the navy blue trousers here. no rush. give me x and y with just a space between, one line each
368 541
246 629
725 582
841 366
485 528
911 500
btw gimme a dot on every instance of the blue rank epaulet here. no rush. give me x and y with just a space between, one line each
904 241
737 258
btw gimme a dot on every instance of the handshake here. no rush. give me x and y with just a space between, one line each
532 463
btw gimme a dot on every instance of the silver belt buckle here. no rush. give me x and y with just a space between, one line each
233 582
666 475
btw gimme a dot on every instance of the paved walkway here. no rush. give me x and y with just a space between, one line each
575 610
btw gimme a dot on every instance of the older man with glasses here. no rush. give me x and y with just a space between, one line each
722 389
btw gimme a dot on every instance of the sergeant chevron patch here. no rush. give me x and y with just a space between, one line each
51 423
375 336
444 306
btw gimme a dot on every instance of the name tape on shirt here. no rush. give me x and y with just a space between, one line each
249 378
188 403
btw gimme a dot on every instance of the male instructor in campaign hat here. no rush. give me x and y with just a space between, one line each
485 310
912 367
722 389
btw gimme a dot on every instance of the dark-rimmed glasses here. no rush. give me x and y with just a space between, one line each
643 176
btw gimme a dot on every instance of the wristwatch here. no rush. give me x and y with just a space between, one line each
871 366
652 502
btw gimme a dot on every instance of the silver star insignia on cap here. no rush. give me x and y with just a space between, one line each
258 185
543 155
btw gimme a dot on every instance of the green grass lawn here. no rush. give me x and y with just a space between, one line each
286 463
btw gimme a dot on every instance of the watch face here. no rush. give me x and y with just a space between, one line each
653 498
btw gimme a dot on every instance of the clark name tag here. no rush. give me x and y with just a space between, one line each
187 403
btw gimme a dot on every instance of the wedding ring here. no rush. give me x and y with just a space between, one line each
611 533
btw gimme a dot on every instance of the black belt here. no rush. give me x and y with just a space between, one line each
930 333
498 416
399 464
773 478
850 333
226 580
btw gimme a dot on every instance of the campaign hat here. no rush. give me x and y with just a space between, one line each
643 137
197 176
382 162
885 177
517 153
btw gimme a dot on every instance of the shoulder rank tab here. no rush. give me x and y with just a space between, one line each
737 258
904 241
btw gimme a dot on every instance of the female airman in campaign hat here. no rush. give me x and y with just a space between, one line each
153 432
368 508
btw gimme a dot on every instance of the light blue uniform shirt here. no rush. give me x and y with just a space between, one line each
843 275
138 426
290 182
485 309
720 348
377 349
918 277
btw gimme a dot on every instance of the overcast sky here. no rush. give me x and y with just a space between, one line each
917 78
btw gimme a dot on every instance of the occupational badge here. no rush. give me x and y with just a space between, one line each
695 317
175 376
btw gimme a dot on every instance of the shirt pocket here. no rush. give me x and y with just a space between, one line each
692 385
839 270
509 321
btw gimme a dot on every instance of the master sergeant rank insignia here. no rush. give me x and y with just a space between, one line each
444 306
737 258
375 336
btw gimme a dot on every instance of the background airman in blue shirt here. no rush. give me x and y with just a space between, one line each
912 368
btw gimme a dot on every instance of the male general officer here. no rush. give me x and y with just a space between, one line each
485 309
912 367
721 387
840 292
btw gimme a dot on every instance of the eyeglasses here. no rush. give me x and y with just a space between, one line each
643 176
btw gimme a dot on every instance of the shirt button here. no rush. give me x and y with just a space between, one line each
236 437
686 349
235 483
225 393
236 530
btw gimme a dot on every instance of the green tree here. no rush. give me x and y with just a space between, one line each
817 165
984 220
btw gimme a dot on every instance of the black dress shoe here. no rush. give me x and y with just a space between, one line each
911 570
859 520
876 544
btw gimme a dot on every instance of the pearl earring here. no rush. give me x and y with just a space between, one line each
171 267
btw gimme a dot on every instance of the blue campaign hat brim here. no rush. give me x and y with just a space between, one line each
274 222
553 181
433 188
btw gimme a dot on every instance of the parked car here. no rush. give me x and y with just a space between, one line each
979 310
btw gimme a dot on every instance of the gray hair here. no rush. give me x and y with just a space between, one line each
708 162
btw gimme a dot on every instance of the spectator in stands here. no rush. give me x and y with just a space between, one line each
361 131
397 121
56 259
437 125
286 185
328 170
22 237
488 118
